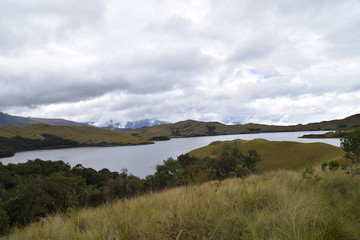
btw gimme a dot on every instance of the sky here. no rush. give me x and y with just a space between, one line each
233 61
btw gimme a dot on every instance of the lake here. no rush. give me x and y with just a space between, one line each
141 160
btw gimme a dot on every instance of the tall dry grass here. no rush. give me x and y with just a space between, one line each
276 205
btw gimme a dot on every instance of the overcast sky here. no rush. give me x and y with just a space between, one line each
266 61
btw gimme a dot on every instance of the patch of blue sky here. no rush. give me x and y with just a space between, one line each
274 75
253 71
267 76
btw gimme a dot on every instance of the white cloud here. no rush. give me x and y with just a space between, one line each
269 61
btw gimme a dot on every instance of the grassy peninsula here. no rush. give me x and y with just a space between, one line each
82 135
42 136
277 155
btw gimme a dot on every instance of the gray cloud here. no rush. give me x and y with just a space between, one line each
28 24
255 46
269 61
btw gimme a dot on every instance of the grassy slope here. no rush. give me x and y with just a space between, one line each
189 128
272 206
83 135
192 128
278 154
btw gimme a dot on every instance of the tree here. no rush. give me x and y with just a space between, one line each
186 160
233 163
250 161
167 175
351 146
32 200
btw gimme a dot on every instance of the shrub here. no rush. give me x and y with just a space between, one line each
4 222
351 146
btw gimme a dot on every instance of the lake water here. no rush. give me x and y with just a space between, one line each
141 160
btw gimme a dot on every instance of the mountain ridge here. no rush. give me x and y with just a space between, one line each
7 119
192 128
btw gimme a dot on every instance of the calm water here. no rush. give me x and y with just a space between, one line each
140 160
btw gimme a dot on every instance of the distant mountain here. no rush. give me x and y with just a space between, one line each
144 123
191 128
6 119
114 125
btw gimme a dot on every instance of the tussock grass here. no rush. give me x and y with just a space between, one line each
278 154
275 205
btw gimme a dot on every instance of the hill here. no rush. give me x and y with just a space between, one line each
278 205
41 136
277 155
82 135
191 128
6 119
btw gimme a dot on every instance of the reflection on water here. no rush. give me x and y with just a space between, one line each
140 160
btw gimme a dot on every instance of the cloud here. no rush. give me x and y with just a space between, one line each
173 60
255 46
33 23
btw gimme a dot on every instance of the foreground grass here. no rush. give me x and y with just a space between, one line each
278 154
276 205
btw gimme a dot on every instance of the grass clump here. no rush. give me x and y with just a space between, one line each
276 205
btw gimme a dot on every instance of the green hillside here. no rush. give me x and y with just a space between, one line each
191 128
82 135
278 205
278 154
